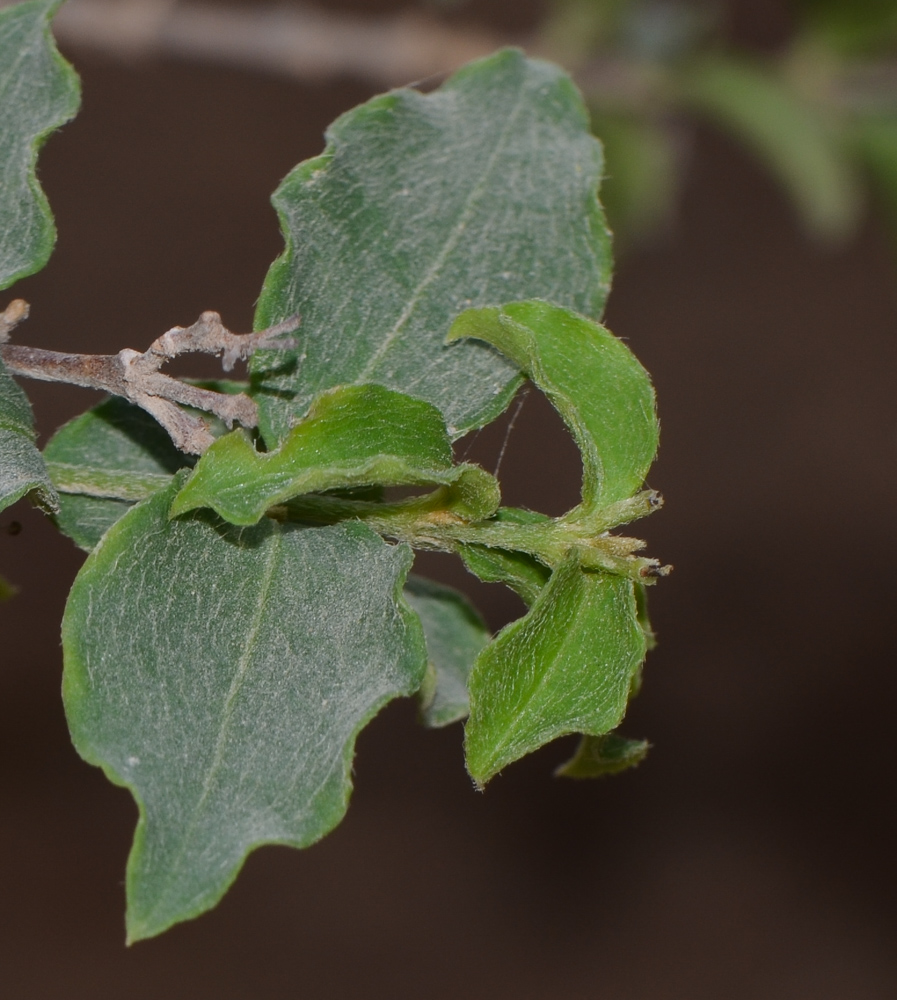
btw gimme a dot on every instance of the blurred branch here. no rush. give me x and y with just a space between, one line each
304 42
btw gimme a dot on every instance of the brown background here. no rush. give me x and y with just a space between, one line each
752 856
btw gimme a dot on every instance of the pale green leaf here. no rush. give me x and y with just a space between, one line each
455 636
597 756
791 135
565 667
222 675
523 573
353 436
22 470
479 193
593 380
103 461
39 91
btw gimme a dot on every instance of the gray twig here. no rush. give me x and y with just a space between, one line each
137 377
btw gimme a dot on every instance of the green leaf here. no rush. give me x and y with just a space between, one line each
565 667
597 756
523 573
642 179
22 470
455 635
7 590
481 192
39 91
222 675
104 461
793 137
592 379
353 436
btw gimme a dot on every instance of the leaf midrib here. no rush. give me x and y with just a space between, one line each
243 668
449 245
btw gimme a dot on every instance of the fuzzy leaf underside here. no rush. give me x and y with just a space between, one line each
114 450
422 205
227 684
565 667
455 635
22 470
353 436
39 91
593 380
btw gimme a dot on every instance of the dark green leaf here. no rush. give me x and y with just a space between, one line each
481 192
455 635
38 92
565 667
222 675
597 756
354 435
593 380
22 470
103 461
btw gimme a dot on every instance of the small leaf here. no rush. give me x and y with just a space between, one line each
455 635
565 667
39 91
222 675
422 205
593 380
523 573
103 461
353 436
7 590
22 470
597 756
792 136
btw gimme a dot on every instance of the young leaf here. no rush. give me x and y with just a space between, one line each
455 635
483 191
353 436
597 756
22 469
104 461
222 675
565 667
593 380
523 573
40 92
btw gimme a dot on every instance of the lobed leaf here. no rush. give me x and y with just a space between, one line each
593 380
22 470
455 635
105 460
421 206
39 91
353 436
222 675
565 667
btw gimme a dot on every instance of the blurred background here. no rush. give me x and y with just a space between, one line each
752 162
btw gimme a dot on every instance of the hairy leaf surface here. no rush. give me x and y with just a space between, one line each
222 675
455 635
593 380
103 461
353 436
565 667
421 206
39 91
22 470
